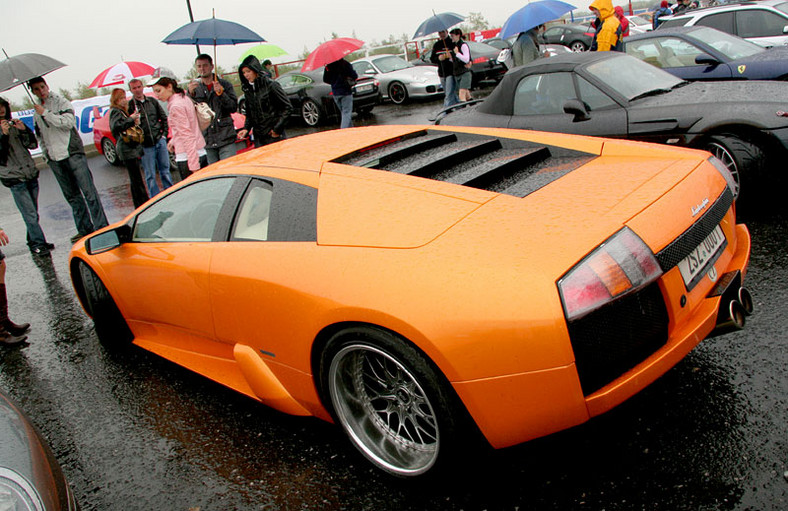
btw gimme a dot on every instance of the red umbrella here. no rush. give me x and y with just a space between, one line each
331 51
121 73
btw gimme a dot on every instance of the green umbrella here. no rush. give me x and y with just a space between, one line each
264 51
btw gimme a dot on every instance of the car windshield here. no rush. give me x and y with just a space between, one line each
391 63
631 77
782 7
729 45
637 20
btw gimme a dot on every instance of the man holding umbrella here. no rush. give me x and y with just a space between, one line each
441 57
63 151
220 96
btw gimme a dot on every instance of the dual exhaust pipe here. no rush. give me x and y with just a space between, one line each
733 311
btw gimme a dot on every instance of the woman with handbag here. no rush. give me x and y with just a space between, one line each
187 141
462 64
126 130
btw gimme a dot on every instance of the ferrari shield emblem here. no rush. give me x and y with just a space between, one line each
742 68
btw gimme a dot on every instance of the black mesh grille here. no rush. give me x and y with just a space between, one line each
680 248
614 339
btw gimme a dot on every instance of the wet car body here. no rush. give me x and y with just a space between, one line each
313 102
575 37
486 66
399 79
615 95
476 314
704 53
30 477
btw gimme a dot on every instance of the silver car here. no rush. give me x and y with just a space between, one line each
399 79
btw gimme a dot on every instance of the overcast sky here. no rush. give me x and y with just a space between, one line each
91 35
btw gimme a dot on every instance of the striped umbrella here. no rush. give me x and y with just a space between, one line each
121 73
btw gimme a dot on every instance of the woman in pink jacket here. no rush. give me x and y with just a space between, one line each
187 141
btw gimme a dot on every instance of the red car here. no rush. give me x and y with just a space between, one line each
105 142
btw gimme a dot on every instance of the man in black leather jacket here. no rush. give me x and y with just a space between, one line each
220 96
267 105
153 121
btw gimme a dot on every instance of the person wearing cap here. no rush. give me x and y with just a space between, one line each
18 172
187 141
10 333
267 105
63 151
218 93
608 31
663 10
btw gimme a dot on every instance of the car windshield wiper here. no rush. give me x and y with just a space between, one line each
653 92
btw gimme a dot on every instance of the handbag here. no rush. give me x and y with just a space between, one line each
205 115
133 135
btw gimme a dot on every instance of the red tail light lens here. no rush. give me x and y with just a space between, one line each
622 264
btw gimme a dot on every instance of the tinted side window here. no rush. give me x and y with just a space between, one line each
276 210
543 94
252 221
759 23
363 67
189 214
722 21
593 98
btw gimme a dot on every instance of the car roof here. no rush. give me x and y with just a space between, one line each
500 100
732 6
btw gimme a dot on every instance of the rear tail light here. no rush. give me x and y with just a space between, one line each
621 265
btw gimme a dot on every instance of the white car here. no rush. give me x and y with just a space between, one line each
638 24
399 79
764 22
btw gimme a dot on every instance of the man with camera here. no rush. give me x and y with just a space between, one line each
219 94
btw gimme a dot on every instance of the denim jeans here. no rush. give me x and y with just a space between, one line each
26 198
345 105
76 182
450 91
220 153
153 158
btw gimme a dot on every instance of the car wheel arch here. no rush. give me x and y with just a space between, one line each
110 323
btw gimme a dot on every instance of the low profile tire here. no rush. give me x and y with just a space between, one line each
110 152
395 407
111 328
745 160
398 93
310 112
578 46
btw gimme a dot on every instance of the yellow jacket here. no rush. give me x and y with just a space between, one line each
608 37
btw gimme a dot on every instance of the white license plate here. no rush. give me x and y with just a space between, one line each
363 88
697 262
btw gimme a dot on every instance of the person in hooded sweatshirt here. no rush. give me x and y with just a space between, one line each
267 105
608 31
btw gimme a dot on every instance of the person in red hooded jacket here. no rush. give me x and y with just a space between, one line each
623 20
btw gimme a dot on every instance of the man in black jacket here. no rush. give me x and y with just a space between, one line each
153 120
267 105
441 56
220 96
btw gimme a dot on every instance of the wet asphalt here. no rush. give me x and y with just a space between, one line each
133 431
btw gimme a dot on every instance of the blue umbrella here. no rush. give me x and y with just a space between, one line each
213 31
438 22
533 15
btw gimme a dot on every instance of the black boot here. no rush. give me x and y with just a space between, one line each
6 325
6 339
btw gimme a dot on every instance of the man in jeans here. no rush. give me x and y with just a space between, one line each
341 75
220 96
63 151
153 120
19 173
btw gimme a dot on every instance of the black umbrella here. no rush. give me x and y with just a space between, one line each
438 22
18 69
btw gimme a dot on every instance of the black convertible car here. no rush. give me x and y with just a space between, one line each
615 95
311 97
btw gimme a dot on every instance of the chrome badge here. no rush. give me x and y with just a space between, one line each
697 209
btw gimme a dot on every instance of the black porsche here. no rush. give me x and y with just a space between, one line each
615 95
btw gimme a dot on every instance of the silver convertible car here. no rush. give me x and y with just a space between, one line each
399 79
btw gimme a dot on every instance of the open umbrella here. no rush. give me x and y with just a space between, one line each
263 51
438 22
213 31
121 73
19 69
533 15
331 51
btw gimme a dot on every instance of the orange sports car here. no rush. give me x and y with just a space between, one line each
423 286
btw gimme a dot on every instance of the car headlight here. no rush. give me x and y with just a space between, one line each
17 494
726 173
622 264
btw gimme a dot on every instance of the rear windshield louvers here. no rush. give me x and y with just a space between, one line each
503 165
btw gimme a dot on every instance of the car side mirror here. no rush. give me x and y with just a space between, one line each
108 240
576 108
704 59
